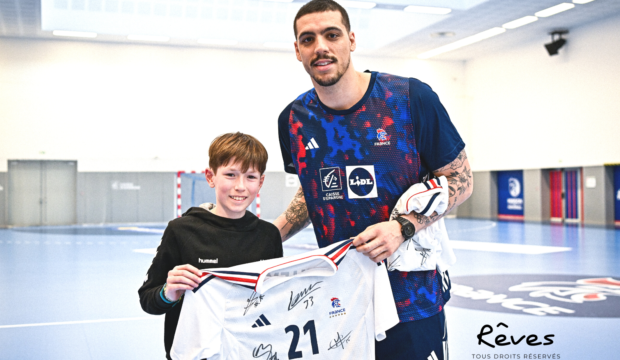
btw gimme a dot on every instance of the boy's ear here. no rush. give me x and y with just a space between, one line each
262 179
209 174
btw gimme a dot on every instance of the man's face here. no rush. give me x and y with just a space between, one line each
324 46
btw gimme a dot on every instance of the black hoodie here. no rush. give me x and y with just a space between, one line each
204 240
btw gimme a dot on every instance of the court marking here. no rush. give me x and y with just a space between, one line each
456 244
507 248
77 322
479 228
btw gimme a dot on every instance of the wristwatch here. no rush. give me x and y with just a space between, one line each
407 228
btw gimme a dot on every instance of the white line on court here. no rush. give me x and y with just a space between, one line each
506 248
78 322
485 227
150 251
456 244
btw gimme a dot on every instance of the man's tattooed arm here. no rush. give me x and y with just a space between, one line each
460 185
295 218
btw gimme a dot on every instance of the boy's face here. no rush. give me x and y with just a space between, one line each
234 190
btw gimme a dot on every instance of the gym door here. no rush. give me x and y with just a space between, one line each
565 192
42 192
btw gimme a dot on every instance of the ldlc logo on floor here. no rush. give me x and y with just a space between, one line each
540 295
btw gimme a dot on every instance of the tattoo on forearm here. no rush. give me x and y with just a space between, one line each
459 181
296 215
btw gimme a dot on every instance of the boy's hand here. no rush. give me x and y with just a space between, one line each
181 278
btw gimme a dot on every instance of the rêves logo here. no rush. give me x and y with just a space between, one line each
502 340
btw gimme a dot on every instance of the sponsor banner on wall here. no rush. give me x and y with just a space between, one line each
510 194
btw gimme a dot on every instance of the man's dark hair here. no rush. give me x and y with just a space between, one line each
316 6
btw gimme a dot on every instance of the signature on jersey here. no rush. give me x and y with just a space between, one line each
262 350
302 295
254 300
339 341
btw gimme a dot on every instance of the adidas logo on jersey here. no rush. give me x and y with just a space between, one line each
261 321
312 144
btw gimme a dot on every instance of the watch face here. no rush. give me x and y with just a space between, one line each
408 230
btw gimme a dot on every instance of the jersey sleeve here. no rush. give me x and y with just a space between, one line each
199 331
285 139
386 315
437 140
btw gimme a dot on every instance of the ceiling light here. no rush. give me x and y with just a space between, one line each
427 10
555 10
357 4
279 45
520 22
463 42
218 42
148 38
80 34
582 1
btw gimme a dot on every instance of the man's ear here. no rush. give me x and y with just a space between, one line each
352 40
210 174
297 53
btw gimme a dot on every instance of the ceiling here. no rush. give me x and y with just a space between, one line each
385 30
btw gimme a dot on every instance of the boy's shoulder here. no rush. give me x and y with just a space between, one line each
267 226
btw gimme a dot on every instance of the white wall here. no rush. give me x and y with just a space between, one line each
117 107
529 110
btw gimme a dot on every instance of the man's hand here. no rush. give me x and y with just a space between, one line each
379 241
181 278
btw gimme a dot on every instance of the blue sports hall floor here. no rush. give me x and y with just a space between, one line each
71 292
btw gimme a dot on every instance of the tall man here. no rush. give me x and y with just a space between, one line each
358 141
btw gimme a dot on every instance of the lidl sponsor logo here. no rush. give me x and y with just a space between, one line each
539 295
361 182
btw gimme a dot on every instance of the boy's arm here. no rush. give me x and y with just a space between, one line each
295 218
161 271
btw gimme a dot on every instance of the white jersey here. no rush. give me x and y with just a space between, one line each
330 303
429 248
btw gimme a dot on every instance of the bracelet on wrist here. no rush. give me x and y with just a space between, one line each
164 297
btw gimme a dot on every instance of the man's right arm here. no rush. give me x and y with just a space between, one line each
295 218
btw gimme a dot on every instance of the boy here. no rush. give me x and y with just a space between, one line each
223 234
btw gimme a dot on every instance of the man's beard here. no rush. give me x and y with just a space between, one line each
333 80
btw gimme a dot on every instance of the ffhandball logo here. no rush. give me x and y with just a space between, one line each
361 182
339 309
383 137
335 302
